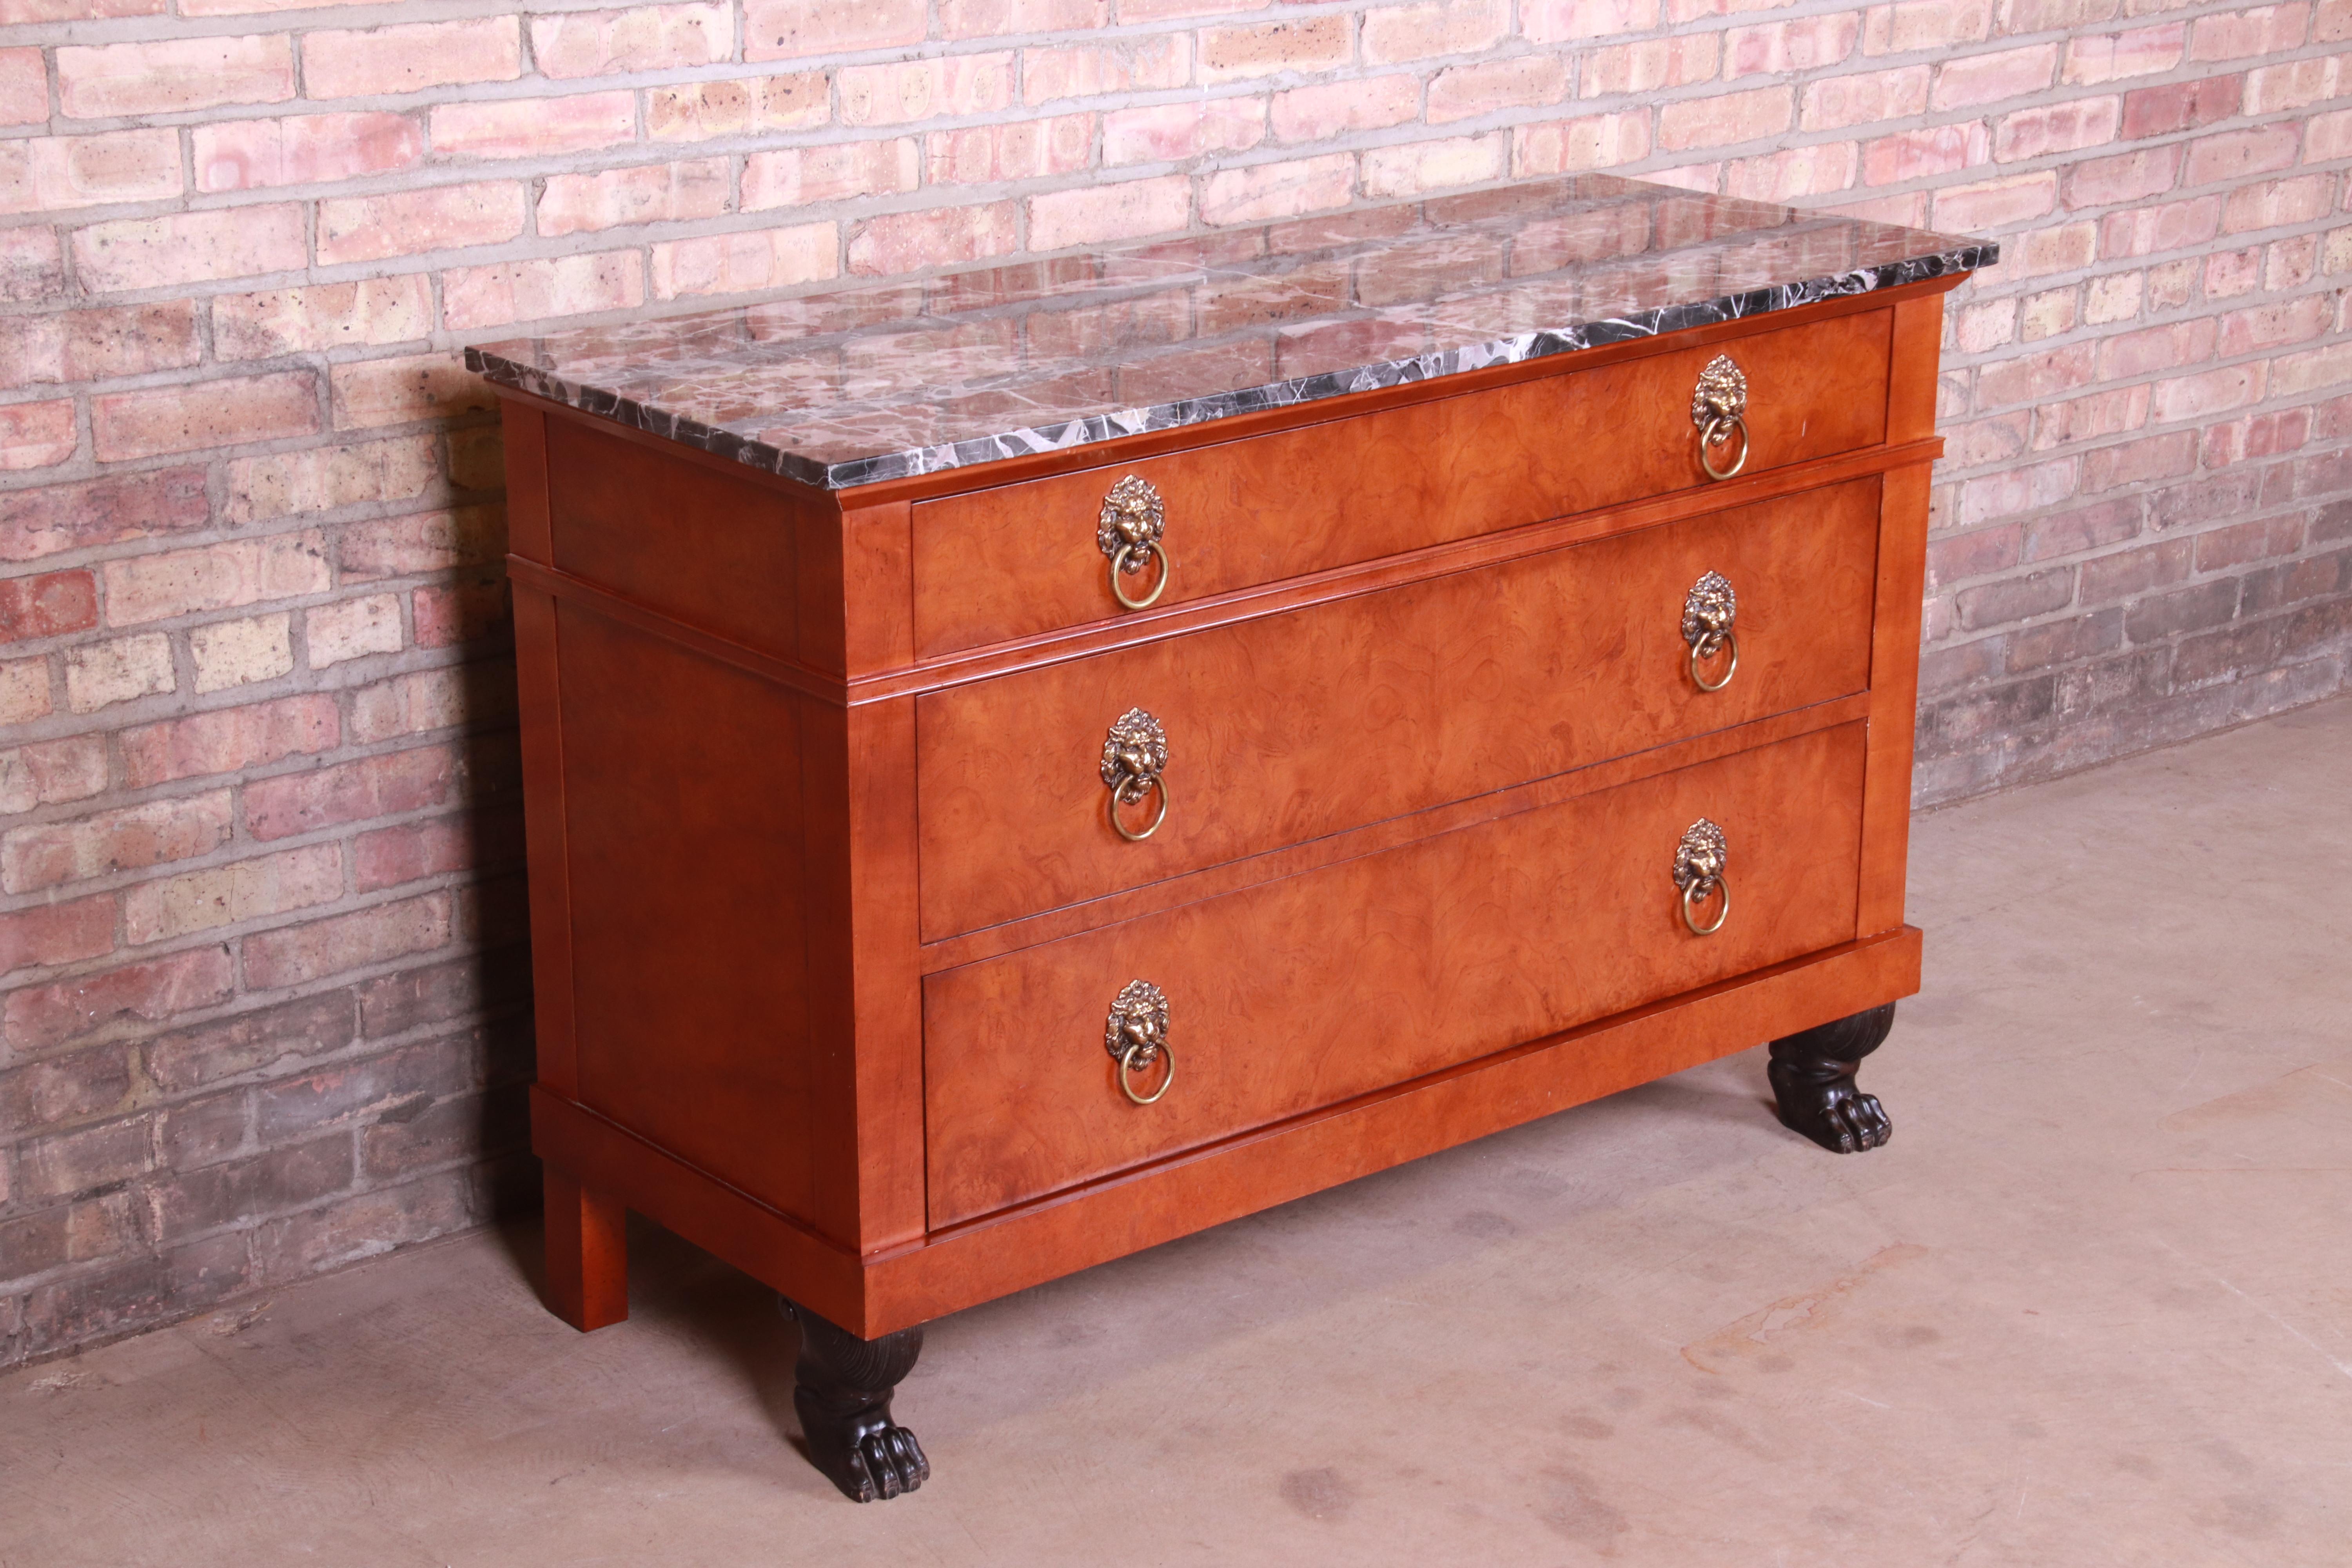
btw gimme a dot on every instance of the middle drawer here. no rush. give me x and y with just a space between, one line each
1349 713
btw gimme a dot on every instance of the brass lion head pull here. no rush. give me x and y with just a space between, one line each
1719 409
1699 862
1128 533
1134 756
1136 1035
1708 612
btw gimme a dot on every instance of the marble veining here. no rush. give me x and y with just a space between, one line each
863 383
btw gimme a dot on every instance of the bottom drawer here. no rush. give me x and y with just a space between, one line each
1302 991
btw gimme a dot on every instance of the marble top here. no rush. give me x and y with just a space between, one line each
866 382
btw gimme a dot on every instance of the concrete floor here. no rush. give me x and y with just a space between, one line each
2093 1305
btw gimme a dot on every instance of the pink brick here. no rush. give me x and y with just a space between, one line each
391 856
48 520
49 174
215 577
651 192
1269 191
801 176
388 785
397 391
1723 119
240 890
2142 51
934 236
1085 71
460 613
2066 127
1922 154
2274 325
1840 102
738 263
31 13
1926 24
229 739
128 839
2233 272
430 541
2137 462
128 340
1651 63
1431 29
1595 141
32 265
410 58
1988 79
2063 247
2293 375
793 29
57 934
1086 217
994 18
1272 49
2128 177
347 629
703 110
409 223
40 1017
431 699
2182 105
1416 167
48 606
49 772
2327 137
1966 210
1319 113
1778 48
248 154
2205 396
24 694
2172 227
2265 30
1563 21
322 316
2153 350
1465 92
646 38
98 675
24 88
1798 172
325 479
340 942
2236 155
189 248
203 413
534 127
925 89
2271 203
1033 149
493 296
2296 84
174 76
36 435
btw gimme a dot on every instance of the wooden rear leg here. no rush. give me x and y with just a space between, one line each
587 1254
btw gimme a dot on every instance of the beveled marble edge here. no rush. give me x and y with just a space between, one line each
1099 427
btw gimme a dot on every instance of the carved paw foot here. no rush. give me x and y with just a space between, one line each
1812 1080
842 1391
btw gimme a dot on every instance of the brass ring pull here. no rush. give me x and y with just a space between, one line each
1139 1058
1709 609
1134 758
1699 862
1128 533
1136 1035
1718 431
1131 559
1702 649
1137 835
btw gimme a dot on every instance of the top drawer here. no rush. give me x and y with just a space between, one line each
1022 559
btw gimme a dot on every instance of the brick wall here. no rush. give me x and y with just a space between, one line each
265 1010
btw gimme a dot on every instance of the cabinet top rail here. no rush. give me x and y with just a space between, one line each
858 383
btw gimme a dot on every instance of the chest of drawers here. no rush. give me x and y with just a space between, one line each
1027 764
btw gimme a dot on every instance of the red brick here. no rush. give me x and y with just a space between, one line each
397 391
1595 142
409 223
454 695
29 13
2265 30
310 148
908 90
129 340
1561 21
1319 113
2126 177
2276 325
237 1189
322 316
174 75
1431 29
24 88
645 39
476 297
47 606
798 176
2156 348
992 18
1779 48
2327 137
40 1017
340 942
2137 462
49 173
47 772
190 247
32 265
204 414
761 258
2240 543
57 934
1797 173
2142 231
651 192
790 29
2204 395
385 786
1987 78
2140 51
1925 154
2272 203
36 435
1724 118
363 64
262 1037
704 111
24 691
1270 48
2015 491
1264 192
2057 128
2080 531
1130 65
428 542
2110 411
934 236
1837 102
229 739
1964 209
1161 134
2015 598
46 855
2235 155
534 127
1980 552
2179 106
1912 25
2034 378
391 856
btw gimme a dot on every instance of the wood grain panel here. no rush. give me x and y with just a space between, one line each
1460 684
1310 990
1021 558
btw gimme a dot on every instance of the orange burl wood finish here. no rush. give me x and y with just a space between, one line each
1315 989
1458 685
769 1015
1007 563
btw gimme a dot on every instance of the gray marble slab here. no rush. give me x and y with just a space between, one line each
866 382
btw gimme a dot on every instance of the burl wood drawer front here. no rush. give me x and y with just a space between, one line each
1355 711
1303 992
1022 559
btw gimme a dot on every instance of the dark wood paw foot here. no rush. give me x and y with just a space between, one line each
1812 1079
843 1391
